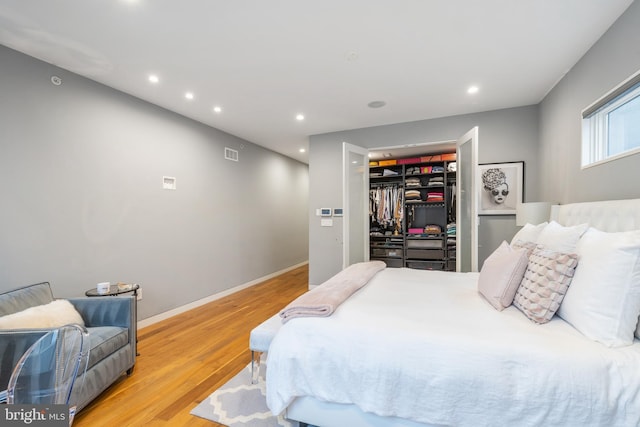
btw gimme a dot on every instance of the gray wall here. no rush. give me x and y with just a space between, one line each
81 167
610 61
504 136
547 137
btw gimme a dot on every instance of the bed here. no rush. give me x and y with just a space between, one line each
423 348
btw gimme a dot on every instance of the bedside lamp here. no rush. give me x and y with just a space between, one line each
533 213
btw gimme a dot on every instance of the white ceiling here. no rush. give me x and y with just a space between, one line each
263 62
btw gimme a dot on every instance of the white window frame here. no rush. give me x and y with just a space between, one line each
595 123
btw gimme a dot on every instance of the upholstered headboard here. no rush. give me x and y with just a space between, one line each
610 216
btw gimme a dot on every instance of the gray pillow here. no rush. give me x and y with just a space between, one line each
501 275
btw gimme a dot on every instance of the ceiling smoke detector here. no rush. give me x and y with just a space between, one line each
352 56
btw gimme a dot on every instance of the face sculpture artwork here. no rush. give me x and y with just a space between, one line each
494 181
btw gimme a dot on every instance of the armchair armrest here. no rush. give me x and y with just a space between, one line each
109 311
106 311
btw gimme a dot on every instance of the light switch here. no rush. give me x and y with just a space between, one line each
168 182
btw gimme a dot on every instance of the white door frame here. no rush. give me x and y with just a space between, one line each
346 202
468 201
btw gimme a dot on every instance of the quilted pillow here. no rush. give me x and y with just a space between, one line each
53 315
545 282
501 275
604 299
527 246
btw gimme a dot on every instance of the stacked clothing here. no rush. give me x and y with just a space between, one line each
451 239
436 169
451 229
384 172
412 195
436 181
414 170
412 182
435 196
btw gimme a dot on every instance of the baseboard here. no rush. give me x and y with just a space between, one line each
178 310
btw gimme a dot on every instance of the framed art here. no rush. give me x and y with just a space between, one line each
501 188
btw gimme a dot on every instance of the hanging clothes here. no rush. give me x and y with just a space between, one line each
386 206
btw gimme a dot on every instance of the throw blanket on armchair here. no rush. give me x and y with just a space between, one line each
323 300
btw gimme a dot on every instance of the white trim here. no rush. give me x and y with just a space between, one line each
346 200
447 142
606 95
612 158
182 309
470 137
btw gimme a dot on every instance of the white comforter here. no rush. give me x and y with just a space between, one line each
423 345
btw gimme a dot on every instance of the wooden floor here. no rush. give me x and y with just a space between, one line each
185 358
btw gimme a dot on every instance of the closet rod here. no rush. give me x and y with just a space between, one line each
385 184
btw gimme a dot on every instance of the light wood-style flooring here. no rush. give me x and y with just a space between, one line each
185 358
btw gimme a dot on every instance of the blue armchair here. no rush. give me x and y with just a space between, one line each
110 322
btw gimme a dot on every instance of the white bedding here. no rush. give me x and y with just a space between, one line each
423 345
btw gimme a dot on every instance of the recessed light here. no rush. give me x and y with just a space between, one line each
376 104
217 109
473 89
352 56
153 78
302 150
188 95
300 117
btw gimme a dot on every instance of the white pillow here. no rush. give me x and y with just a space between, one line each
53 315
559 238
501 275
603 301
529 233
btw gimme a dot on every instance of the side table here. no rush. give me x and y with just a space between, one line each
115 290
120 289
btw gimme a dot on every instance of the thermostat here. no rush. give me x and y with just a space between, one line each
337 212
325 211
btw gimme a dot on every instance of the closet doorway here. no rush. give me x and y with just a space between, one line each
355 177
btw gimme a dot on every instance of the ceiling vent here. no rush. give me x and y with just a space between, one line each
230 154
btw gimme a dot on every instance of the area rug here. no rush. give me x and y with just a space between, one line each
239 403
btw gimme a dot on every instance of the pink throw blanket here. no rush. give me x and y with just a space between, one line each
324 299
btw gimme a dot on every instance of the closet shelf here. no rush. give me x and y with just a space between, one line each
438 203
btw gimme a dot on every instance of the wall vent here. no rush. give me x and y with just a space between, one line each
230 154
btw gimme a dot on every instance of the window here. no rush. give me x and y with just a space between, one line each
611 125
